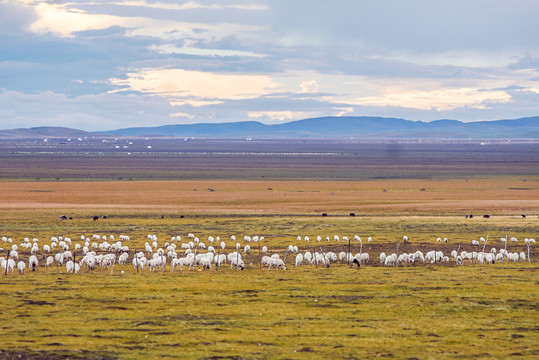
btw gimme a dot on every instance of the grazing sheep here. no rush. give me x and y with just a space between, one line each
512 257
364 257
7 265
299 259
402 258
49 261
383 257
21 265
390 260
235 260
32 262
59 258
70 265
277 263
219 259
475 243
122 259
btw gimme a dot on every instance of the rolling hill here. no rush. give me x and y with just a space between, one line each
314 128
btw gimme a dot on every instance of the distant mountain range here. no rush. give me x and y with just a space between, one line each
315 128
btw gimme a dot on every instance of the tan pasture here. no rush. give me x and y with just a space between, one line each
501 196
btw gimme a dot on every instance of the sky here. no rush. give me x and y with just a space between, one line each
110 64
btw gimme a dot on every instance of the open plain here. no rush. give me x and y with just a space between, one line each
419 310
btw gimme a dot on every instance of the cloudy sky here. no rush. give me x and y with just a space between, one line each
108 64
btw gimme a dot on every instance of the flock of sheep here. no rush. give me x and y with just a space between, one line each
106 251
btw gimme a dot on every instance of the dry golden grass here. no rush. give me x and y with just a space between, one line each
504 195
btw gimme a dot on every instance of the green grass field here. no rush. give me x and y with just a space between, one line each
423 311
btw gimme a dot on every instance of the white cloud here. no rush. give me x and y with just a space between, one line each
194 103
64 21
181 83
170 6
279 116
441 100
310 86
181 115
191 5
172 49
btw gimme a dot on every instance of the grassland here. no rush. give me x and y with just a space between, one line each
407 312
424 311
495 196
413 312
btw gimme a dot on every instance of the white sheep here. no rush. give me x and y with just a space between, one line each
364 257
390 260
21 265
122 259
32 262
70 265
49 261
299 259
